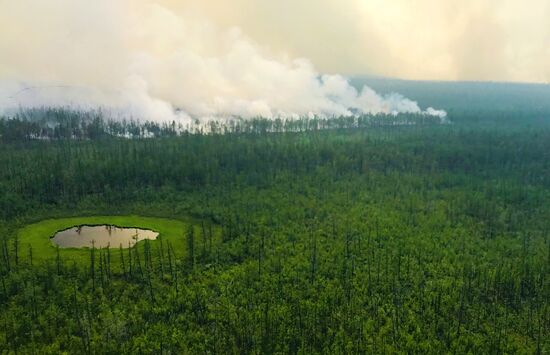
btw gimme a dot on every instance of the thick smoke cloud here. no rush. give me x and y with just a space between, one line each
497 40
146 60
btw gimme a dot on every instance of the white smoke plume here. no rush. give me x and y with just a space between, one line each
153 63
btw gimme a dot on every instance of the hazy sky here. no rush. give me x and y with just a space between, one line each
505 40
249 58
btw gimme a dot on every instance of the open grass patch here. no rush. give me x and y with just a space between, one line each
37 236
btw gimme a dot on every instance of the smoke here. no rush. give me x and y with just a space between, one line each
497 40
142 59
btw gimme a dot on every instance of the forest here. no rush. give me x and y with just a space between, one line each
377 234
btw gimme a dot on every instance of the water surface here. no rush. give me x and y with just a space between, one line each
101 236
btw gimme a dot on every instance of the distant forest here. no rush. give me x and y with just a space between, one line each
488 105
473 102
63 123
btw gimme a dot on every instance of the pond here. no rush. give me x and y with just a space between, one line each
101 236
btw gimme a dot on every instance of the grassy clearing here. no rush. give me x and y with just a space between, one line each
38 235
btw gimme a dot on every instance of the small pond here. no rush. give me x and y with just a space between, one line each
101 236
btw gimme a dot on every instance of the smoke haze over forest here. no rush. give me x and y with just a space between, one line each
153 60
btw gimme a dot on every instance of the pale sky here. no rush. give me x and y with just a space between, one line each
499 40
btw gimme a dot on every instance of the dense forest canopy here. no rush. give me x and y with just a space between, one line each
383 234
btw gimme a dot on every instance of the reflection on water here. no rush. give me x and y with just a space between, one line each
101 237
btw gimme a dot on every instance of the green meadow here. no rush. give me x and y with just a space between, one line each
38 236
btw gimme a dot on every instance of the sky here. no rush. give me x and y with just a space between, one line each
494 40
249 58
